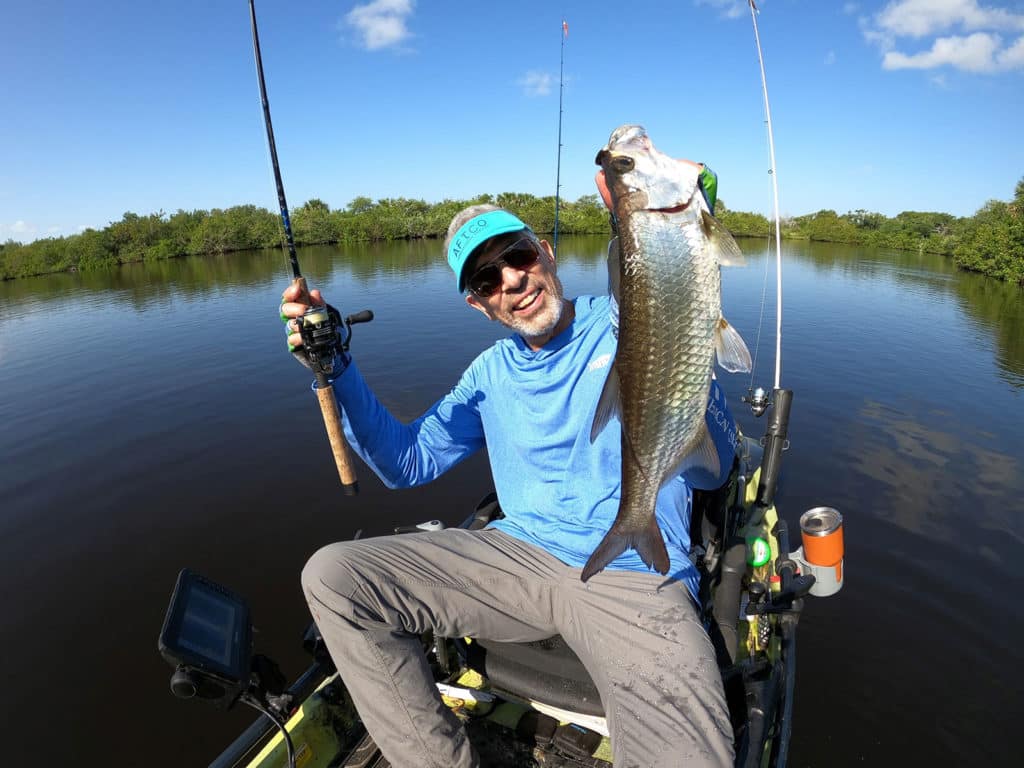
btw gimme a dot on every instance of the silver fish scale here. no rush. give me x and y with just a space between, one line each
670 303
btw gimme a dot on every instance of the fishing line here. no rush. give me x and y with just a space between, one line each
760 316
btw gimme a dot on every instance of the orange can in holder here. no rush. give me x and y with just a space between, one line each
821 532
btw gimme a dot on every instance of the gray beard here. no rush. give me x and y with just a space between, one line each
546 321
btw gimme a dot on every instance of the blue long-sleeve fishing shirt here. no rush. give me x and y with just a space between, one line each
533 410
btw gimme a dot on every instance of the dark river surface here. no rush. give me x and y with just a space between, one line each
152 419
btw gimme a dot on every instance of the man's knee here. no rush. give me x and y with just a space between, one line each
328 578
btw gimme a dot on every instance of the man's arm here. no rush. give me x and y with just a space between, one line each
404 455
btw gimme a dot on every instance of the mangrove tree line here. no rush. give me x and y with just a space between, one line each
991 241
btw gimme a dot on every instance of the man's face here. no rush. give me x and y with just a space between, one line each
528 300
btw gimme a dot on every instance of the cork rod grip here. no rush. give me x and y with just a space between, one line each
339 445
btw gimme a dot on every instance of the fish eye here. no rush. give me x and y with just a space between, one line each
623 164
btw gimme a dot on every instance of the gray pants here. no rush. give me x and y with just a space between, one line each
637 634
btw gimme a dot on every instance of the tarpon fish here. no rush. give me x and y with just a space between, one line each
664 273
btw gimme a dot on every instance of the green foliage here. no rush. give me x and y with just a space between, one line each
360 205
243 227
991 242
587 216
743 224
312 223
994 242
91 250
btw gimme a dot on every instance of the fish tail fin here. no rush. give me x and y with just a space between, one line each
723 246
647 541
730 349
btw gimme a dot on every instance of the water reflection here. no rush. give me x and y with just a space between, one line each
943 483
175 425
997 307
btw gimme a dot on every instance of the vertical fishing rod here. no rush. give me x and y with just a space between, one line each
774 444
558 162
778 426
317 320
775 195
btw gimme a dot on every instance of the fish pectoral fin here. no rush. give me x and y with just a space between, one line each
704 456
608 405
730 349
647 541
614 270
722 246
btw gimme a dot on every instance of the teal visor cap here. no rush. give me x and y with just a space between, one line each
473 233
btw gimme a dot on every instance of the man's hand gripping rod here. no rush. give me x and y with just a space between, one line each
317 324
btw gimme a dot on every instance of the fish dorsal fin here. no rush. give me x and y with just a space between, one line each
730 349
704 456
608 405
721 244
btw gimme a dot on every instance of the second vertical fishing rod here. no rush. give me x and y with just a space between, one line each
319 326
778 428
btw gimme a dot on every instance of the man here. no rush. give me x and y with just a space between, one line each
530 399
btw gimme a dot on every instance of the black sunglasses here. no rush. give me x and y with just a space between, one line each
486 281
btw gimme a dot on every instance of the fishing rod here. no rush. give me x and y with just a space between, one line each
775 442
558 162
778 426
773 172
319 325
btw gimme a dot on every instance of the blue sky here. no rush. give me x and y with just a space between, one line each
119 105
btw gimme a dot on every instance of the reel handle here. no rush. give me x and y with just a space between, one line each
359 317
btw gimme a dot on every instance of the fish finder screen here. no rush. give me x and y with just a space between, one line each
209 625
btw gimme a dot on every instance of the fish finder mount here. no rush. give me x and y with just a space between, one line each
207 637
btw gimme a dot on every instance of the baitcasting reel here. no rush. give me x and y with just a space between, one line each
321 336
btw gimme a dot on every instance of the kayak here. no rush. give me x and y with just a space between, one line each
533 704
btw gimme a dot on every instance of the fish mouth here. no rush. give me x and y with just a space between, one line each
673 209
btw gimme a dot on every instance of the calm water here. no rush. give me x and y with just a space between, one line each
152 420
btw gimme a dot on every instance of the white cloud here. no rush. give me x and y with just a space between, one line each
26 232
975 42
1012 57
730 9
974 53
536 83
21 231
381 23
830 58
918 18
850 8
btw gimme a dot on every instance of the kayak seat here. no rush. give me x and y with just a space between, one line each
545 671
548 671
